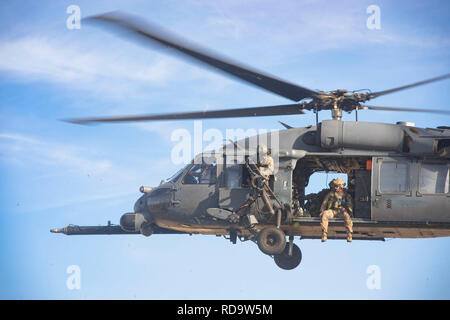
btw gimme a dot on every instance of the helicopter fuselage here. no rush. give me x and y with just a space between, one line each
398 177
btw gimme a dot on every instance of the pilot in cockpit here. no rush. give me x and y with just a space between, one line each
201 174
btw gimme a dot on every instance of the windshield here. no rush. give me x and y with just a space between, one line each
177 174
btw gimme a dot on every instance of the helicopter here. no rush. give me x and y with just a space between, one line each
398 174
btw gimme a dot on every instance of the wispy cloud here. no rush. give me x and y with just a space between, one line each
105 74
102 71
53 166
318 24
228 26
31 151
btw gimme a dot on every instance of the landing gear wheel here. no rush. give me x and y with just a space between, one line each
271 240
147 229
287 262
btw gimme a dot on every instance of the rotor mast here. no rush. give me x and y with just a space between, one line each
336 113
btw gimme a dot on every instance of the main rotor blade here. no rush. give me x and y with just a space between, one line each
151 33
287 109
412 85
439 111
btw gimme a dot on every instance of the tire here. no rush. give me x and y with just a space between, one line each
286 262
271 240
147 229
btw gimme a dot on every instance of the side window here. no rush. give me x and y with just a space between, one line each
434 178
209 172
204 173
394 177
233 176
235 173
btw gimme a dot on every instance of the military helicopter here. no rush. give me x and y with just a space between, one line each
398 174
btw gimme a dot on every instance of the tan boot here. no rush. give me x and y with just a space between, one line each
324 237
349 237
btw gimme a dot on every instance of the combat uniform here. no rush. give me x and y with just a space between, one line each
337 205
266 165
266 168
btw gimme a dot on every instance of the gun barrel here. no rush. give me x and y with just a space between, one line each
90 230
106 230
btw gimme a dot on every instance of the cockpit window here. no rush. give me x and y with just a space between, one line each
177 175
233 173
236 175
204 173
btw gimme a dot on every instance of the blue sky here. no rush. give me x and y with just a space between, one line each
55 173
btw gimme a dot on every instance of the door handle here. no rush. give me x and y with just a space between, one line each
174 202
376 202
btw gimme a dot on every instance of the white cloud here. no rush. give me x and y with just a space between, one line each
56 168
32 151
163 129
233 27
18 138
100 71
106 73
312 25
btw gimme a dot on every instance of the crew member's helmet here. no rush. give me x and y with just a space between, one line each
337 182
262 149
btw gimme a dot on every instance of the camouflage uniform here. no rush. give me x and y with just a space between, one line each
265 165
266 168
337 204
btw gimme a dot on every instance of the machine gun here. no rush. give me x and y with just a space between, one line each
260 183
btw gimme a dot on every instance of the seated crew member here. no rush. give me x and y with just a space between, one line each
337 203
